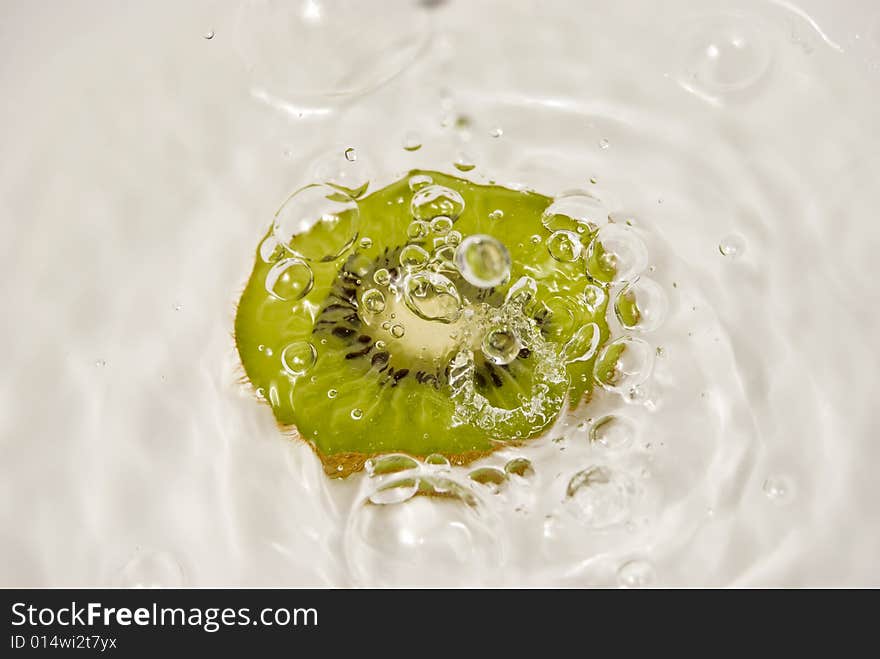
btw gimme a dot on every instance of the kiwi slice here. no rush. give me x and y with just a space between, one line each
435 315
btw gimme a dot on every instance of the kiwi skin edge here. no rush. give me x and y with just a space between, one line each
521 221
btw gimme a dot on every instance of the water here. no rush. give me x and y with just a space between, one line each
135 456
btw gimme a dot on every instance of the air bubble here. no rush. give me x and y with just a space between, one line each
432 296
382 277
392 463
464 163
209 34
613 432
350 154
417 230
732 246
777 489
574 211
501 345
604 144
332 393
582 345
419 181
413 258
641 305
434 200
600 498
412 142
564 246
453 238
483 261
496 132
438 462
594 297
497 214
397 331
395 492
289 279
635 574
373 300
366 243
329 217
623 364
492 477
521 467
357 414
441 225
616 254
299 357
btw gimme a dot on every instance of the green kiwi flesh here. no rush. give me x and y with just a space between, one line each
373 382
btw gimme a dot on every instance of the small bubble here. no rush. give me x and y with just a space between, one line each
380 345
496 132
373 300
317 210
289 279
641 305
483 261
441 225
453 238
464 163
412 142
350 154
299 357
497 214
366 242
419 181
209 34
432 296
535 239
501 345
492 477
564 246
413 258
434 200
178 307
613 432
604 144
777 489
600 498
521 467
437 461
332 393
382 277
616 254
417 230
635 574
623 363
357 414
732 246
397 331
100 363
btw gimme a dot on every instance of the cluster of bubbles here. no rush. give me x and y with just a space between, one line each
419 522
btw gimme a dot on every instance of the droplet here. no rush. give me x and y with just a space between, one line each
412 142
613 432
492 477
397 331
564 246
594 297
624 363
600 498
419 181
432 296
497 214
453 238
434 200
437 461
635 574
604 144
641 305
413 258
298 357
732 246
483 261
777 489
271 251
441 225
392 463
373 300
464 163
521 467
501 345
382 277
724 54
616 254
575 211
317 223
332 393
583 344
348 171
357 414
209 34
497 131
289 279
395 492
416 230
